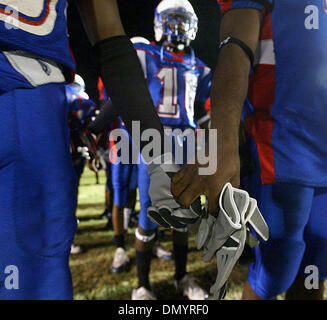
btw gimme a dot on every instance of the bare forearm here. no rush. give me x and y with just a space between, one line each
230 83
119 66
102 17
228 93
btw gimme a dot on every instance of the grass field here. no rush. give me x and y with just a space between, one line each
91 274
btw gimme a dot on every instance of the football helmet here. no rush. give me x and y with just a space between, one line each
175 23
76 89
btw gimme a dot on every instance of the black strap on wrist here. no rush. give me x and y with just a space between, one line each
241 44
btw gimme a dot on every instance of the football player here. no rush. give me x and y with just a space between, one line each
38 208
104 143
81 112
124 182
121 181
288 95
179 84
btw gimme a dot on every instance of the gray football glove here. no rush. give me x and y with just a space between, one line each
225 236
165 211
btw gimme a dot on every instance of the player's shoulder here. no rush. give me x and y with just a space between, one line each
201 65
199 62
139 40
141 43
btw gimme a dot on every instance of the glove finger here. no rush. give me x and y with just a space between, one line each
242 201
221 293
184 214
227 257
259 224
166 213
222 229
155 217
204 231
228 205
188 220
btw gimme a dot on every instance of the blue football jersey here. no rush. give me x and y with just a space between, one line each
34 48
175 81
36 26
288 90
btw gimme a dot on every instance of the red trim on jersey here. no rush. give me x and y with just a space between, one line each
207 104
266 30
225 5
100 89
178 56
165 59
261 94
261 130
27 21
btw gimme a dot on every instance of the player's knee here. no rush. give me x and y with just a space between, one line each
144 238
145 223
120 196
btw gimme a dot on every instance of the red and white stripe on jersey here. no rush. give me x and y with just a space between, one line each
37 17
261 94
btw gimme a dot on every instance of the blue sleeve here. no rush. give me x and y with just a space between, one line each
204 85
226 5
141 53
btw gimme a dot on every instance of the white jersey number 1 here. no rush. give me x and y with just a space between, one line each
168 107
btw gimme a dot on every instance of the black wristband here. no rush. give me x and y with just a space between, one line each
241 44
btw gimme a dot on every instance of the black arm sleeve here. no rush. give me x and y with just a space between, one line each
124 81
106 116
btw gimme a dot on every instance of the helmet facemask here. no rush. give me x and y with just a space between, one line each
175 28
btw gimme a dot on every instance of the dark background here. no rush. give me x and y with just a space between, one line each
137 18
